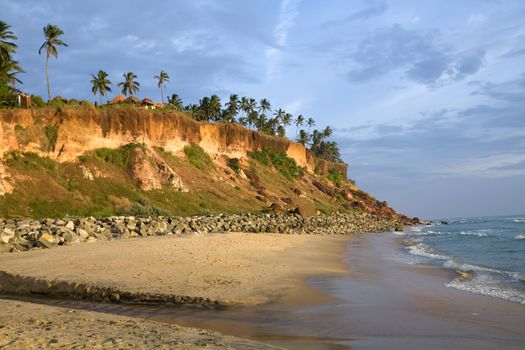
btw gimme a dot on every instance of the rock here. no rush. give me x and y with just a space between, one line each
299 211
276 208
70 225
6 234
261 198
47 240
91 240
70 237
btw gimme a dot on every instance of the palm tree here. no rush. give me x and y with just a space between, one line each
52 34
327 132
100 83
215 107
129 85
232 108
162 78
175 101
8 71
265 106
310 123
299 121
286 119
6 47
303 137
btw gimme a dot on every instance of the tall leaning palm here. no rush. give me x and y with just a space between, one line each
52 34
129 85
162 79
100 84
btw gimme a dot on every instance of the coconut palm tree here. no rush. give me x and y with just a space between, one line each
101 84
175 101
162 78
52 34
264 106
8 71
215 107
7 47
286 119
299 121
327 132
303 137
310 123
129 85
232 108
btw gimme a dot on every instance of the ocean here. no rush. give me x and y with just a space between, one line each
489 251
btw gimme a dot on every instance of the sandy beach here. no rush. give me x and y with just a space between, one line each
240 269
288 291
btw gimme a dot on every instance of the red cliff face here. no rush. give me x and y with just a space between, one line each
68 133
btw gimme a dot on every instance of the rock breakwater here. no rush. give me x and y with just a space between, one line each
26 234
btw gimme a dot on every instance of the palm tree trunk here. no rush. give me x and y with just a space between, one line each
100 96
161 95
47 77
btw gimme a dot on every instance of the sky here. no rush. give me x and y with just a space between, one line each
426 98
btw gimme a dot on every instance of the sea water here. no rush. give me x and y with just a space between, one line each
489 251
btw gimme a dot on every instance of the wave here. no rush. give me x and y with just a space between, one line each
488 285
462 233
519 237
487 281
520 221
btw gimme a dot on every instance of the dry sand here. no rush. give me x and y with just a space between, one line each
234 268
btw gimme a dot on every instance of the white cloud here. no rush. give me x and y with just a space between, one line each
287 15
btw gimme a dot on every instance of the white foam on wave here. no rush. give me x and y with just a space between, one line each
519 237
519 220
421 249
487 285
477 234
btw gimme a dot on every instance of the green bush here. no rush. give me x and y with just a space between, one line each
144 208
58 102
51 133
335 176
37 101
281 162
198 157
120 157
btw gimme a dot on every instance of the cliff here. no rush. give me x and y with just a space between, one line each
66 134
130 161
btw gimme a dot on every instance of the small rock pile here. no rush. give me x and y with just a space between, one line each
26 234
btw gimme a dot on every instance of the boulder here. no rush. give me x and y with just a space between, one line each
47 240
6 234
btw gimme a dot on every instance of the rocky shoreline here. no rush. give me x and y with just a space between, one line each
26 234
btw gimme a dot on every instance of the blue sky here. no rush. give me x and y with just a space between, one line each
427 98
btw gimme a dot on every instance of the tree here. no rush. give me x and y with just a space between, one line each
232 108
327 132
310 123
129 85
175 101
264 106
299 121
7 46
8 71
215 107
286 119
303 137
52 34
162 78
100 83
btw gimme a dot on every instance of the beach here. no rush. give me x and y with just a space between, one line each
293 291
